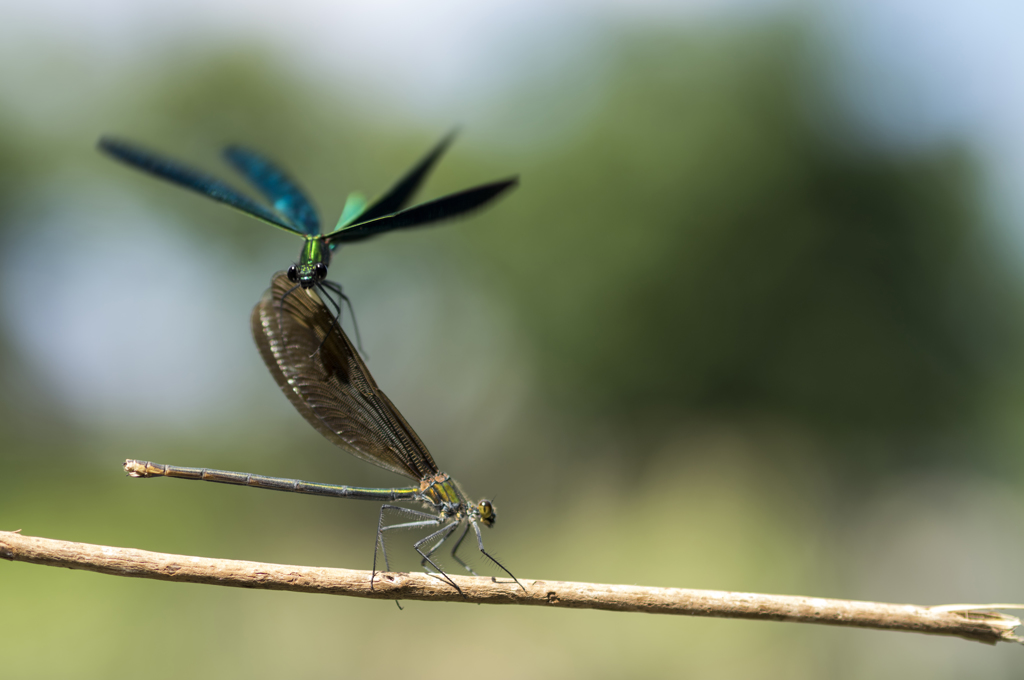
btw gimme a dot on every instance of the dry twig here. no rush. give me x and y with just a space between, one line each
955 620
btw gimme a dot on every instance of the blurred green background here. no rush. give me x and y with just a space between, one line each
751 322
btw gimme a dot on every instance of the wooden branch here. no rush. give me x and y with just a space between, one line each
955 620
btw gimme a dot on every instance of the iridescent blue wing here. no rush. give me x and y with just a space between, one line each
190 178
399 195
439 209
275 185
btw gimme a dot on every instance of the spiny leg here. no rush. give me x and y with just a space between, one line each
336 317
480 544
455 549
447 530
336 289
426 520
280 305
323 288
453 528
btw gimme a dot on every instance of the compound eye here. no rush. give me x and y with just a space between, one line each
320 269
293 274
486 509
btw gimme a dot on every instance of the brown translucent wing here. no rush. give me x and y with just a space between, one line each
328 383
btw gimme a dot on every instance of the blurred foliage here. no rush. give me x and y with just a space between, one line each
705 245
722 295
707 241
12 166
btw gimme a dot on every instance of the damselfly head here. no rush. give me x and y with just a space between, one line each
307 275
487 512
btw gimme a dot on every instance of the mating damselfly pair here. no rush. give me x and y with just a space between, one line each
315 364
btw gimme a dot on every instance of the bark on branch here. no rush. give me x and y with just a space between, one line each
964 621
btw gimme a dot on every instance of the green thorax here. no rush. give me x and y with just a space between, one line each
314 252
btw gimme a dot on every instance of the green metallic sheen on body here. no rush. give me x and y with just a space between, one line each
314 252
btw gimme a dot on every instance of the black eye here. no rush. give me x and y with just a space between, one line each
293 274
321 271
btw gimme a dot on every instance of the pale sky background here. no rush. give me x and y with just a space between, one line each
915 69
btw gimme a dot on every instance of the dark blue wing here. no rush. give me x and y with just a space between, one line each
187 177
276 187
399 195
439 209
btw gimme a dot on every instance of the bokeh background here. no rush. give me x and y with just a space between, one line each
751 322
